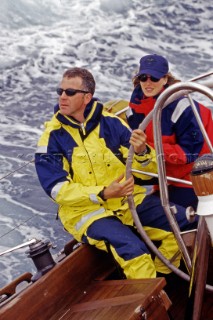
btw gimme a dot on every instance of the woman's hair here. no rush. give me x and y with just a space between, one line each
171 79
169 75
88 81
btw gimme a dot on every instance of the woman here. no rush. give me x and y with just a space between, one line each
182 139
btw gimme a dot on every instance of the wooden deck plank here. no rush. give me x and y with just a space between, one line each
119 299
64 292
65 283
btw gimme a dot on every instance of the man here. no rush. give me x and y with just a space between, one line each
80 163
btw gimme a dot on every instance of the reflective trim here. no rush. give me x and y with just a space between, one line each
179 109
93 198
145 163
85 218
129 112
41 149
56 189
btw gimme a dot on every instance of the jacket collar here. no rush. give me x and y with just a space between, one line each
138 101
92 114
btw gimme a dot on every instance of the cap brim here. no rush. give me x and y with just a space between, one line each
205 205
153 73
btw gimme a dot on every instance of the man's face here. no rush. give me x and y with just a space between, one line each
73 105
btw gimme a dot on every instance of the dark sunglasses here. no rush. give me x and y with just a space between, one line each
69 92
144 78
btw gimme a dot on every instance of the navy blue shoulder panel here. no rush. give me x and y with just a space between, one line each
61 142
115 134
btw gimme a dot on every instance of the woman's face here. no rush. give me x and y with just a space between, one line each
150 88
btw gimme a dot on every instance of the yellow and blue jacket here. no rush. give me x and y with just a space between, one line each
74 161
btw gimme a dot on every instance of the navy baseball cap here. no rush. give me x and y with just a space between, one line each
153 65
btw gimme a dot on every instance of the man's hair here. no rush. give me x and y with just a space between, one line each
88 81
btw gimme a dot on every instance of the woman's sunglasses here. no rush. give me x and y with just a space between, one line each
69 92
144 78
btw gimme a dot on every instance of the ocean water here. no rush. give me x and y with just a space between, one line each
39 40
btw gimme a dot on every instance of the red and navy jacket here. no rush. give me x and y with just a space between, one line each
182 138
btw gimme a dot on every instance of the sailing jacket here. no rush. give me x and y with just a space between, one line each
74 161
182 139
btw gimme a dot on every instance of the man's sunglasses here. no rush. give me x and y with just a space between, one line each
69 92
144 78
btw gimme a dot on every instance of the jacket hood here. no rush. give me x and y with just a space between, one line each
92 114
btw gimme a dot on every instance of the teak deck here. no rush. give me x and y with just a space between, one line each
121 299
74 289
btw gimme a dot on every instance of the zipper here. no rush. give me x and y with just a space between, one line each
83 129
